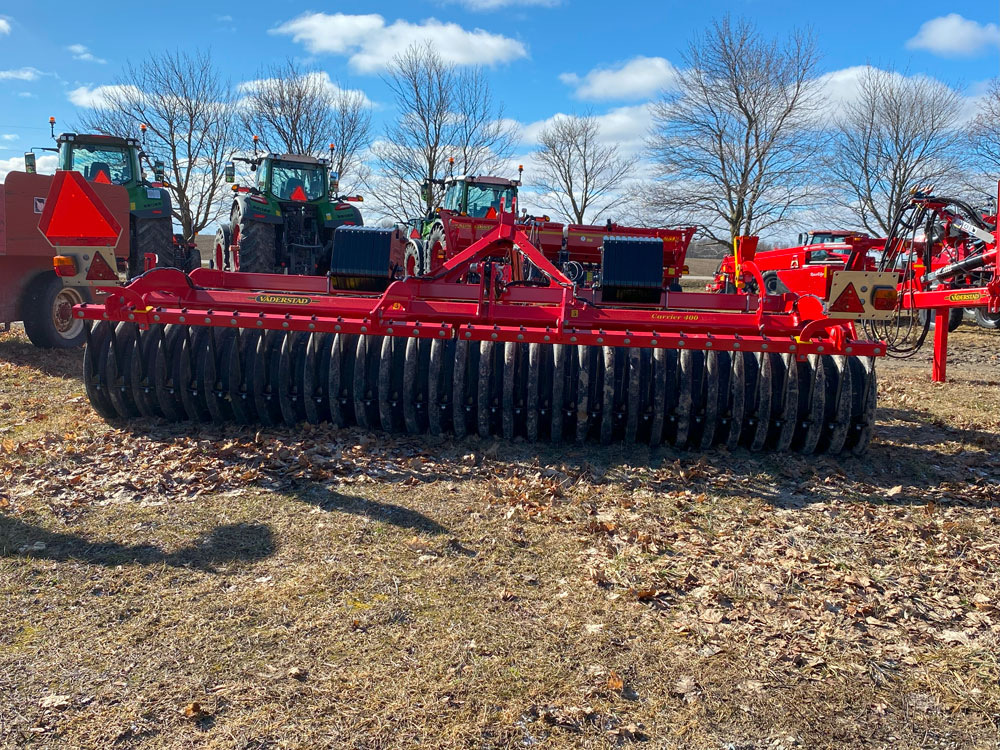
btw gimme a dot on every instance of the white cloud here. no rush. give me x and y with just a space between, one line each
370 43
97 97
46 164
20 74
842 87
26 95
321 76
80 52
4 26
485 5
637 78
625 127
955 36
8 137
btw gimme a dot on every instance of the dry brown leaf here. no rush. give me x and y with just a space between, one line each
193 710
615 683
55 701
894 491
297 673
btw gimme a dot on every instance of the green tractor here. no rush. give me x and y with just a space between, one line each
111 160
285 221
464 196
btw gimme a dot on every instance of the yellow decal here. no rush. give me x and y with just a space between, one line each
396 306
574 313
281 299
675 316
963 297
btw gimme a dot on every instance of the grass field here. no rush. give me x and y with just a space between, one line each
180 587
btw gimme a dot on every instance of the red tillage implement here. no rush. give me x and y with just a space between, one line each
496 341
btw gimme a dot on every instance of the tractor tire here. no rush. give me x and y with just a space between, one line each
47 311
414 262
772 285
987 319
151 236
955 317
223 239
434 246
256 241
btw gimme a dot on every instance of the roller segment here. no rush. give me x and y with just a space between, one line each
94 358
240 367
141 374
687 398
117 371
215 375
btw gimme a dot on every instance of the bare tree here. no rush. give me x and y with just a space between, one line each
580 177
300 111
899 133
444 113
983 136
188 109
731 145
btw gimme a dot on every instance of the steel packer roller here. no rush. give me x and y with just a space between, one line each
495 342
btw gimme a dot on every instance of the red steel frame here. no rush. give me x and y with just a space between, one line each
496 308
912 294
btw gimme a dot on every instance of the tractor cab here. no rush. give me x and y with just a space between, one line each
477 197
292 178
100 158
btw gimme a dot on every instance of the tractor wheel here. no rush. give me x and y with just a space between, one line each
434 249
414 263
987 319
955 316
223 239
151 236
48 312
771 283
255 241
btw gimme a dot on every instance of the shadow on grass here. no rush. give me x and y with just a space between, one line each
389 513
228 543
60 363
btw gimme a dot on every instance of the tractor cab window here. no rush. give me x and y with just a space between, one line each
290 182
484 197
825 238
453 197
98 163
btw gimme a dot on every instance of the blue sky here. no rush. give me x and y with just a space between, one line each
546 56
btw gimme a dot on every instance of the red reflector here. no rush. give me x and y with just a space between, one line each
415 235
299 194
492 213
102 178
74 216
848 301
100 270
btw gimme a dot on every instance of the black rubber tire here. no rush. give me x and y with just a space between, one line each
414 262
223 239
256 242
955 316
118 371
987 319
434 237
154 236
47 312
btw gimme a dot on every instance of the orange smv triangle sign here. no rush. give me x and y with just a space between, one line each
848 301
75 217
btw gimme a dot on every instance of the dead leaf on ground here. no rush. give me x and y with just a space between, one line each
615 682
55 701
193 710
